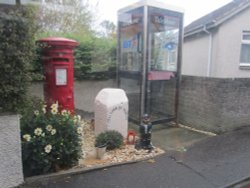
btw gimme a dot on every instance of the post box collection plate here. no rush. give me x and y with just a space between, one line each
61 77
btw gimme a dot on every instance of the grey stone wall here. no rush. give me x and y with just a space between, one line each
210 104
163 97
11 172
84 92
214 104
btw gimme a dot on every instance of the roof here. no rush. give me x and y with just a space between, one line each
153 3
216 17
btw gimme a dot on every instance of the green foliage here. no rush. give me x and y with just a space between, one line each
50 140
37 70
16 52
109 29
94 58
74 16
82 59
113 139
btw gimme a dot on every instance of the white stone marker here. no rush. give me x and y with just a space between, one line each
111 111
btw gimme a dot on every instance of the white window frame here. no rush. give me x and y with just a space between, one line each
244 41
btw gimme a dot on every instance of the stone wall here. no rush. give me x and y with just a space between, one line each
210 104
214 104
84 92
163 97
11 172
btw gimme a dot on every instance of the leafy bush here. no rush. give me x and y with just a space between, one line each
94 58
113 139
51 140
17 30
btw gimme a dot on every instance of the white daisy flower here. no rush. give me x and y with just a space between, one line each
55 105
27 137
54 111
79 118
38 131
53 131
44 109
36 112
48 148
79 130
49 128
64 112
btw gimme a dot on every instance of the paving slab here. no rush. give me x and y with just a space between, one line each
169 137
172 138
223 160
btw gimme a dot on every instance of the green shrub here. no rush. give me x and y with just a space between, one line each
113 139
16 52
50 140
94 58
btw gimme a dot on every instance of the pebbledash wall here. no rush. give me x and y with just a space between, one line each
11 172
214 104
210 104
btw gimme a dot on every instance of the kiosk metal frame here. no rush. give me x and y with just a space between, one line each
149 54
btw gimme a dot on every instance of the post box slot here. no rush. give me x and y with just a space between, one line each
60 60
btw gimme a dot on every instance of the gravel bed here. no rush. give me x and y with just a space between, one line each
126 153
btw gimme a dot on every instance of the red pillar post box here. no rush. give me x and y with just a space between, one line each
58 61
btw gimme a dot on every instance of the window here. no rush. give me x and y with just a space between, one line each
245 49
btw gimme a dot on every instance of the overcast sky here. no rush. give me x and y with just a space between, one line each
193 8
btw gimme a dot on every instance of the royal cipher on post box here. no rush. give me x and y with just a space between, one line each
58 61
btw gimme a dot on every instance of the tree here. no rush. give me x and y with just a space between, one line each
109 29
68 16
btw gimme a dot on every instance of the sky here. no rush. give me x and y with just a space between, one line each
194 9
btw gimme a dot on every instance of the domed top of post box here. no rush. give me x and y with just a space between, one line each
59 41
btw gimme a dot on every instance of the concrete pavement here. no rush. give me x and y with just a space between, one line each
220 161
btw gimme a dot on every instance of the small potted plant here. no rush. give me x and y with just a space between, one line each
109 140
100 149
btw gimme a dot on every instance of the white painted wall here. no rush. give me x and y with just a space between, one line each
195 56
230 33
226 47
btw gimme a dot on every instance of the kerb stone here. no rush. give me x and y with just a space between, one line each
11 171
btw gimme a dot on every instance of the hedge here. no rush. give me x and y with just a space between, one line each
16 53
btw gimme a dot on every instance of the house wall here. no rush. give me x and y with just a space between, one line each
195 56
226 45
230 34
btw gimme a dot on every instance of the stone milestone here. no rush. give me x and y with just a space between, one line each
111 111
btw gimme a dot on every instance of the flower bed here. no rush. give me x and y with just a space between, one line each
51 140
126 153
